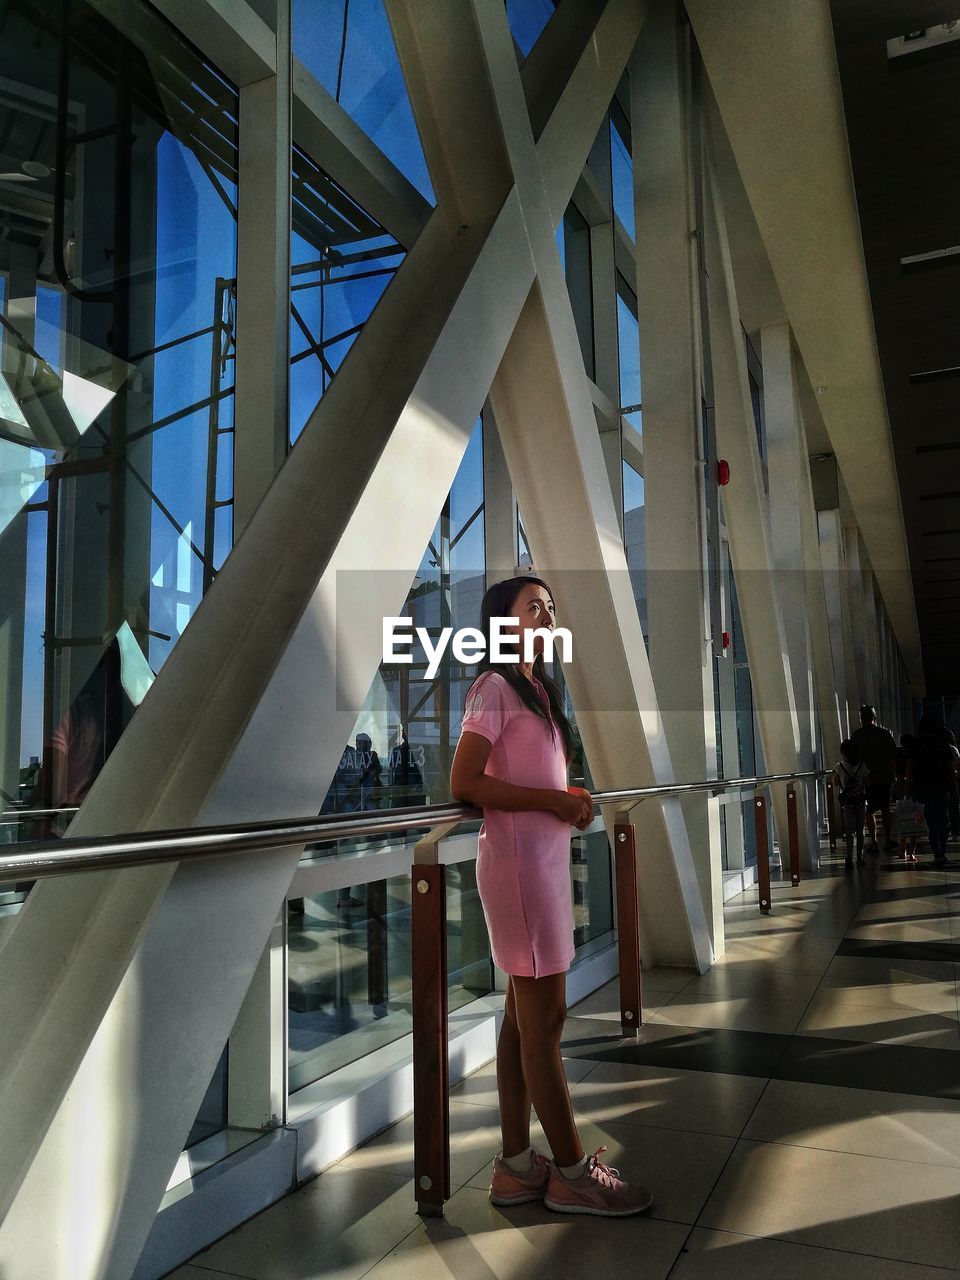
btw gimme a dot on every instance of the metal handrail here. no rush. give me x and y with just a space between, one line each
36 860
14 817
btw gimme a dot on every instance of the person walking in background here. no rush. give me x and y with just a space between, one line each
930 775
851 774
878 751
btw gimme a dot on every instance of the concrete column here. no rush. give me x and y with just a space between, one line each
747 521
872 638
870 645
257 1047
263 280
789 500
856 607
829 688
831 559
257 1093
669 322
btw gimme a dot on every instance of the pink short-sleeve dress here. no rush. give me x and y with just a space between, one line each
523 856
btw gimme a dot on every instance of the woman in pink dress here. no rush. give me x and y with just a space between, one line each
511 761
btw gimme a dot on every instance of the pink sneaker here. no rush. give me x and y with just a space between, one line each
599 1191
507 1187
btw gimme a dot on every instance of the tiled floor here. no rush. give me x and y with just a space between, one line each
796 1111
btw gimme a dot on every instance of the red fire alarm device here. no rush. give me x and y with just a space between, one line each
723 471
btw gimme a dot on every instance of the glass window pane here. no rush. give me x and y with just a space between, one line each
116 368
116 372
628 338
635 541
578 272
350 948
592 888
527 20
348 46
341 263
349 985
526 560
622 170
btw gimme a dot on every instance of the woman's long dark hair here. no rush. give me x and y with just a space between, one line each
498 602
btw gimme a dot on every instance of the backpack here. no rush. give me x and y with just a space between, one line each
853 792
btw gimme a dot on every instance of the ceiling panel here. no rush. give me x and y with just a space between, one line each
903 121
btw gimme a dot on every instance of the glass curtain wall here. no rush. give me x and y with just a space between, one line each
350 959
118 197
118 173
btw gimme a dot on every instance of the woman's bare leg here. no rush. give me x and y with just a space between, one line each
541 1008
514 1099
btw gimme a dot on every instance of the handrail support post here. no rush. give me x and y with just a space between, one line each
793 834
628 924
431 1058
763 850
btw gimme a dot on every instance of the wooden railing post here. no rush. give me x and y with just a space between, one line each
763 850
431 1059
628 924
794 833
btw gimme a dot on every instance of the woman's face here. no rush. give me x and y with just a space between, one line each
534 607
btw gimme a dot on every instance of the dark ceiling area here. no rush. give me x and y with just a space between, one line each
903 125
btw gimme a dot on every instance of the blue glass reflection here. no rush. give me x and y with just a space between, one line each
635 539
196 239
622 169
628 340
341 262
348 46
527 20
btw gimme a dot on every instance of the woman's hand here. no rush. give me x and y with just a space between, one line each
575 807
588 807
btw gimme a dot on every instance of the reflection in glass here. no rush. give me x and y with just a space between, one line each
118 193
628 339
592 889
341 262
527 20
408 723
748 741
573 240
118 169
621 162
525 560
350 975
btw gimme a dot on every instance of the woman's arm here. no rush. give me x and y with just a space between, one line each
470 785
